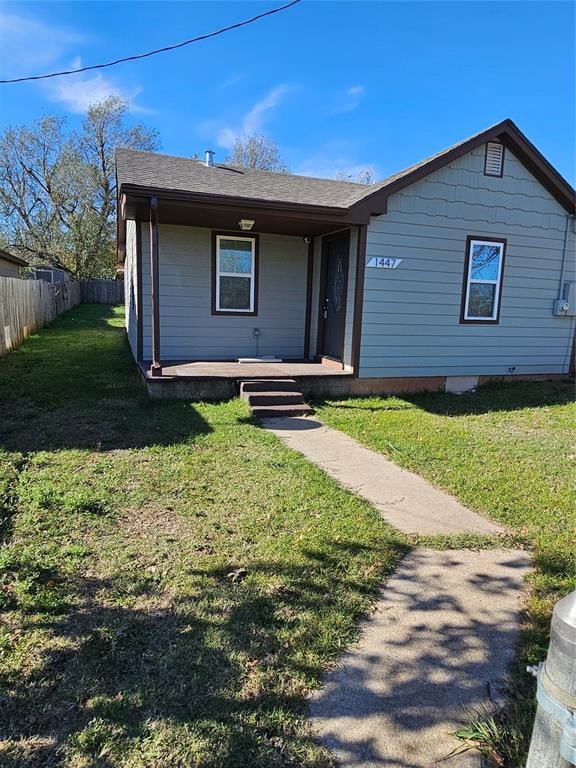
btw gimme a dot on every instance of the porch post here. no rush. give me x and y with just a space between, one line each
309 281
359 297
156 369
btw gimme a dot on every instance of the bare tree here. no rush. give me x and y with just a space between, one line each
257 152
58 188
363 176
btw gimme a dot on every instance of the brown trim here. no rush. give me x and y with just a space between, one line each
321 300
358 298
156 369
341 233
309 286
139 298
494 175
299 210
512 138
256 238
504 242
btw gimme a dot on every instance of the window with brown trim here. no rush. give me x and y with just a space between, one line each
482 287
235 274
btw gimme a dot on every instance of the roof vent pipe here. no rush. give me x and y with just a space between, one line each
209 162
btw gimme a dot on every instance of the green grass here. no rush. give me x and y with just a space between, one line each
507 451
173 580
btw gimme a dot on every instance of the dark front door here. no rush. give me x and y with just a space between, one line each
336 252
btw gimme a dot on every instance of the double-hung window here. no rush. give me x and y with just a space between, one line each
483 280
235 275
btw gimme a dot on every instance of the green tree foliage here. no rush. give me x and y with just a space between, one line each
258 152
58 188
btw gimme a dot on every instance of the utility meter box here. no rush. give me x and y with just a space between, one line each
566 306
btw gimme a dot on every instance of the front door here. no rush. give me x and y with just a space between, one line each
336 253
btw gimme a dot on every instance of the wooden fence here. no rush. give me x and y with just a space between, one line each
27 305
102 291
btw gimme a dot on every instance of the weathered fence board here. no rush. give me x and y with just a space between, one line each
102 291
27 305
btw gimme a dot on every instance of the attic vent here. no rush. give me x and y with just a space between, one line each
494 159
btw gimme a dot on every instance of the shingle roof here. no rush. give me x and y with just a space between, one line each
150 169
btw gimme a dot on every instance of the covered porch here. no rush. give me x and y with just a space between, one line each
302 285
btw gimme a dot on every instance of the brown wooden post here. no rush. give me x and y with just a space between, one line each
359 297
308 313
156 369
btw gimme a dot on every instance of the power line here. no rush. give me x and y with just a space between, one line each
158 50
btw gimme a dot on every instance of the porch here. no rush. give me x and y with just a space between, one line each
211 281
214 380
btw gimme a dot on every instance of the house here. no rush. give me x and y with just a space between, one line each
48 273
455 271
10 266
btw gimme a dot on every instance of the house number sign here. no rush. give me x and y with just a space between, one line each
382 263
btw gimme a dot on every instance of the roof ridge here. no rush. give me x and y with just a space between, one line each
229 166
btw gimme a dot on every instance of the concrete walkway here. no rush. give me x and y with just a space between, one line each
404 499
443 632
440 640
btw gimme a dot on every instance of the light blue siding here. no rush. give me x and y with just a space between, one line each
411 318
188 330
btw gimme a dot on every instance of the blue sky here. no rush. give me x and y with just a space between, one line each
339 85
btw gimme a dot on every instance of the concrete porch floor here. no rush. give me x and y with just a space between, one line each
206 380
243 371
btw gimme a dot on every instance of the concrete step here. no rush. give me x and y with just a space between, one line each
268 385
280 411
273 398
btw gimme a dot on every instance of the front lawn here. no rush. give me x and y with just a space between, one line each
172 578
507 451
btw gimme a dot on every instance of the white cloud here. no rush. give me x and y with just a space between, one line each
252 121
351 99
335 157
232 80
226 138
79 92
31 47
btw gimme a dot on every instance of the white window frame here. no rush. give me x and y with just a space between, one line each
497 282
251 274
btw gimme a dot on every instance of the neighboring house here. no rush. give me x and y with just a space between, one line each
48 273
451 272
10 266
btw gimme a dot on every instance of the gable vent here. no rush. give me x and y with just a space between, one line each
494 159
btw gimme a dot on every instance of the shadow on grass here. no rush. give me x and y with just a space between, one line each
223 678
226 676
74 385
492 397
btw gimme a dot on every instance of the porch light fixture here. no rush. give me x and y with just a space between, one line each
246 224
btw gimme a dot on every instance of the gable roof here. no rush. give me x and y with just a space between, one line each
151 171
5 256
512 137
